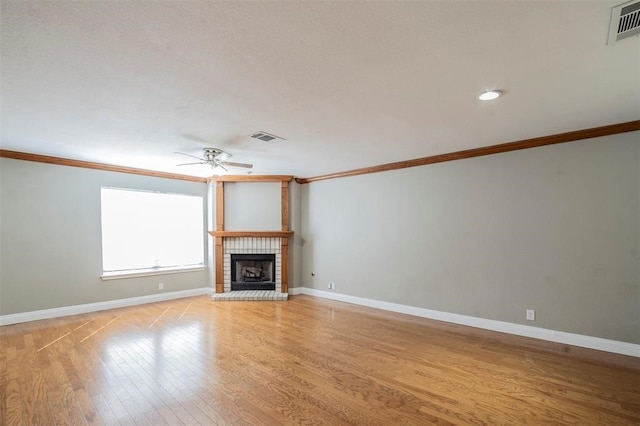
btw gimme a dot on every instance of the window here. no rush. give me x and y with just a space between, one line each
150 232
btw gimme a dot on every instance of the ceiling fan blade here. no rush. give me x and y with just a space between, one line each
189 155
191 164
233 164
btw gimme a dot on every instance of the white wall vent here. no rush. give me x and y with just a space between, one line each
268 137
625 21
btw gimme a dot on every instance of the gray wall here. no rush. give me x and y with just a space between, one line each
555 229
252 206
50 253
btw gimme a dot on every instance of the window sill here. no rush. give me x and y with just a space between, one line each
149 272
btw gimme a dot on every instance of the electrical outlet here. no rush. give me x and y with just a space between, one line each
531 315
330 285
160 286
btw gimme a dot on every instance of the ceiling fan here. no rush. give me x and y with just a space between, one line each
215 157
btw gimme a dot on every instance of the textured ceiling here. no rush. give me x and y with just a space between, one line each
347 84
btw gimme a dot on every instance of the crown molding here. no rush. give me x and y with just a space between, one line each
17 155
595 132
251 178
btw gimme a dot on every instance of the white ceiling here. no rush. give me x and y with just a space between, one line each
347 84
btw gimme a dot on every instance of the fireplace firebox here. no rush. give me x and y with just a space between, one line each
253 272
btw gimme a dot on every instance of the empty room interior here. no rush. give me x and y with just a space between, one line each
320 212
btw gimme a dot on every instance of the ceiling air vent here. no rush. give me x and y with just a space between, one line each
625 21
267 137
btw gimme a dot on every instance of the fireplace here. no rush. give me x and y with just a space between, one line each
254 271
249 247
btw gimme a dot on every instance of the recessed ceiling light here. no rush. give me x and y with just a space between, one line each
490 95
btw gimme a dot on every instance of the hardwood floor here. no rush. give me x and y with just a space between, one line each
305 361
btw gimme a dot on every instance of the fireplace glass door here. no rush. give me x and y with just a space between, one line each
253 272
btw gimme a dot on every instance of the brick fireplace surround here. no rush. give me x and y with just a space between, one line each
251 242
251 245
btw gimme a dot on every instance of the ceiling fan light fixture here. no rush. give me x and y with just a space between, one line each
490 95
215 154
216 159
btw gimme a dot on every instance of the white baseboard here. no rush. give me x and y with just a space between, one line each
573 339
293 291
99 306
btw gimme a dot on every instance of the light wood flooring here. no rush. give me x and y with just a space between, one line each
305 361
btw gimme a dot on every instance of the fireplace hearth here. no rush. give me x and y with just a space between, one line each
253 271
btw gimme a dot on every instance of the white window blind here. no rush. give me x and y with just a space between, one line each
150 231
